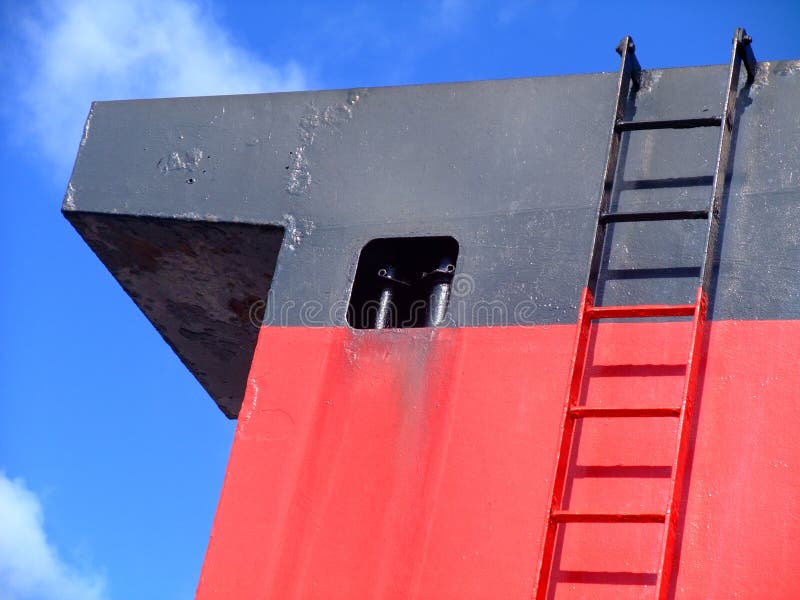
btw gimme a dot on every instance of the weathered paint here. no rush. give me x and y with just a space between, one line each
511 169
416 464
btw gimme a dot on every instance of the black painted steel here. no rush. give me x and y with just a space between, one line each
629 77
742 52
628 81
287 189
659 215
667 124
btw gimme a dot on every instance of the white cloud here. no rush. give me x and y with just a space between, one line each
76 51
30 567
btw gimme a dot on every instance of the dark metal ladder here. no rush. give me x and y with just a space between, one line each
629 75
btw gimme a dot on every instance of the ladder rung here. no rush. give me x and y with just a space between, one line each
565 516
640 311
668 124
661 215
582 412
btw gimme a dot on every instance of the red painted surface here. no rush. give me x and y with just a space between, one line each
575 410
417 464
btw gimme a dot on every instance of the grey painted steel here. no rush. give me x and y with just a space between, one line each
301 181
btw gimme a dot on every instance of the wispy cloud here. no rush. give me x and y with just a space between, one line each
76 51
452 13
30 566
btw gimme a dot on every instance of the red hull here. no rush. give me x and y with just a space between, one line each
416 464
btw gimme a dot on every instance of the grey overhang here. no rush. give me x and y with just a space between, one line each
204 208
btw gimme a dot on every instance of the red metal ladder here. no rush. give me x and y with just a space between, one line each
629 76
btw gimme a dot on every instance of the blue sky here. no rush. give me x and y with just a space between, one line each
111 455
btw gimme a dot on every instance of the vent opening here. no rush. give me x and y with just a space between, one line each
403 282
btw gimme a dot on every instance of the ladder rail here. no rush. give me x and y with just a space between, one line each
741 52
629 76
666 562
578 364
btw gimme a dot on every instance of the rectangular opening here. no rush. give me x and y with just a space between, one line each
403 282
